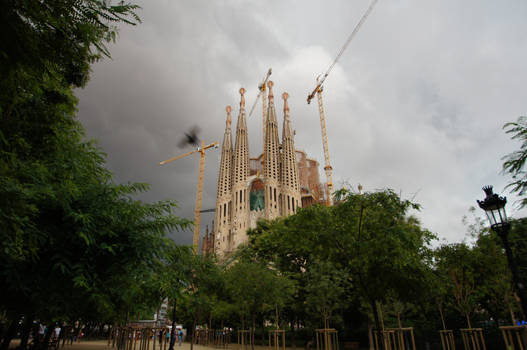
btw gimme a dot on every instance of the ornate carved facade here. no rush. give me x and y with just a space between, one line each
265 187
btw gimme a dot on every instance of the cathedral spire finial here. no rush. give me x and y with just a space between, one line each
242 102
285 96
270 85
229 119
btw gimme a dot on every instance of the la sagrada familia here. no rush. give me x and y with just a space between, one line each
265 187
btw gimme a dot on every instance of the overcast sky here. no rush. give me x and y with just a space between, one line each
416 103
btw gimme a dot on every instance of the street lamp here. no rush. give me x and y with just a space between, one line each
494 207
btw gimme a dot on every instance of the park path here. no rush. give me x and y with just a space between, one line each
103 345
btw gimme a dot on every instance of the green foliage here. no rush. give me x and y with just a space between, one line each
72 243
518 243
255 289
325 290
59 36
369 245
515 161
458 262
475 278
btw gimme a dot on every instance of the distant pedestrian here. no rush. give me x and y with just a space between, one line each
57 332
41 332
180 335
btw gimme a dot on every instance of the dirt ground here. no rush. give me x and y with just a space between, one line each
103 345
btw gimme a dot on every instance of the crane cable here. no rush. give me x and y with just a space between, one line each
350 38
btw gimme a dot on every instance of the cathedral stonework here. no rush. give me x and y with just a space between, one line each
267 187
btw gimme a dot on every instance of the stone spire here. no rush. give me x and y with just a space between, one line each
205 242
224 193
289 181
240 172
271 168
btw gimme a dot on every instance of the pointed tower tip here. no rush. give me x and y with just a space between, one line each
229 119
285 96
270 85
242 102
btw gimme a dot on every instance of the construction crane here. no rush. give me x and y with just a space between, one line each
262 92
199 191
318 91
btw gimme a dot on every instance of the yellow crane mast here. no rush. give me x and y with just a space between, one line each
318 91
262 92
199 191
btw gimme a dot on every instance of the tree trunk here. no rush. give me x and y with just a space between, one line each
194 322
468 320
263 331
10 334
379 305
442 316
370 334
373 305
24 336
277 321
252 332
173 330
512 315
293 331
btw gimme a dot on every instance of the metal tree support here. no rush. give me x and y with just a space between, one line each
205 336
133 338
473 339
245 338
277 339
327 339
201 337
222 338
447 339
395 339
515 337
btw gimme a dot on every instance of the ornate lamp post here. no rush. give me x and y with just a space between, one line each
494 207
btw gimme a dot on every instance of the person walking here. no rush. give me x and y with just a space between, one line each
41 332
57 332
180 336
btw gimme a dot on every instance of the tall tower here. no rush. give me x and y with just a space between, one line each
271 168
224 195
240 172
290 188
266 187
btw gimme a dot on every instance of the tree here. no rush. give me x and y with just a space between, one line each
256 289
458 262
65 226
58 36
85 241
370 237
515 161
325 290
382 246
493 277
203 281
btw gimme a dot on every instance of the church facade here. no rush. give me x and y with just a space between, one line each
265 187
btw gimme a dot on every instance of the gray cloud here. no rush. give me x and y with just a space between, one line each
416 103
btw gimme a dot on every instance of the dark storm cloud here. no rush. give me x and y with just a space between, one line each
416 103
